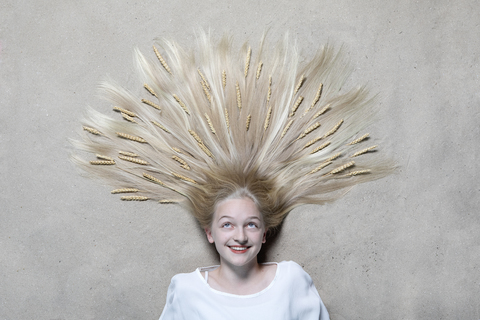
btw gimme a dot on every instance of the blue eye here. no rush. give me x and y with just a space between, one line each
226 225
252 225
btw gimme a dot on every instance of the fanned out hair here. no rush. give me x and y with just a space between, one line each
215 123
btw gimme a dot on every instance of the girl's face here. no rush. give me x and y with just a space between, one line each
237 231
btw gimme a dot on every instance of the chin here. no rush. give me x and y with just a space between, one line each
241 259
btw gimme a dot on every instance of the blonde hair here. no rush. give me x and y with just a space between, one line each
213 123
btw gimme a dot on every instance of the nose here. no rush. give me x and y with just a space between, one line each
240 236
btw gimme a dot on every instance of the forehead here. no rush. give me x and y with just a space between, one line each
237 208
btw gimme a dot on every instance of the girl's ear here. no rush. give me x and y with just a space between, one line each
208 232
264 236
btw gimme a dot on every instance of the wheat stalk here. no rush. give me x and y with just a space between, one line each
334 129
205 91
259 69
358 153
295 106
320 167
195 136
149 89
365 136
160 126
134 198
209 121
150 103
203 78
247 124
179 176
153 179
356 173
286 128
121 110
319 113
323 146
342 168
128 154
200 143
309 130
239 97
224 79
247 61
162 61
335 156
227 120
180 102
267 118
269 94
124 190
128 118
134 160
205 149
102 162
181 161
168 201
157 181
91 130
309 143
99 156
315 100
130 137
299 84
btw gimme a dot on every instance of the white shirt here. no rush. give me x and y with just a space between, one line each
291 295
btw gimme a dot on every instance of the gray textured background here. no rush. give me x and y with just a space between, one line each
406 247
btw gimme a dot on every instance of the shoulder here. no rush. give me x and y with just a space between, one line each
184 290
185 276
289 264
292 268
291 274
185 281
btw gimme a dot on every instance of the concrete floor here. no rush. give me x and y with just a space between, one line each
406 247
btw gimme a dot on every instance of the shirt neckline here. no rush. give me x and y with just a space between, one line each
198 271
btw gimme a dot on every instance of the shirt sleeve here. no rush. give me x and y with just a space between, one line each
178 295
307 301
323 310
169 309
323 314
184 299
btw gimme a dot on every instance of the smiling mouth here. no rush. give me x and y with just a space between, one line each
237 249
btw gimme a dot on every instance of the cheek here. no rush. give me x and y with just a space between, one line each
258 236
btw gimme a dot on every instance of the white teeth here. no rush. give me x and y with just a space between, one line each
238 248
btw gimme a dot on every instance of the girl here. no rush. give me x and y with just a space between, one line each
240 287
239 140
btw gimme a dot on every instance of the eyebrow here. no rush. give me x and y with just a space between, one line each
230 217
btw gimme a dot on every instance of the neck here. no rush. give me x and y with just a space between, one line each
238 275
